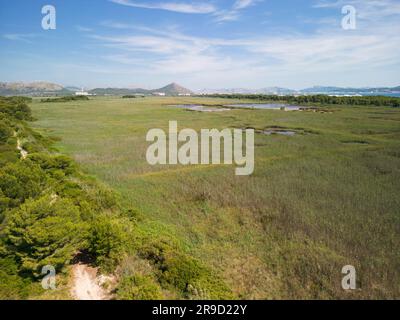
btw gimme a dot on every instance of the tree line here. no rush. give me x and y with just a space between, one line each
317 99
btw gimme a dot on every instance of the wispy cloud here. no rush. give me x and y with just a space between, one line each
241 4
23 37
227 15
195 7
234 13
83 29
327 50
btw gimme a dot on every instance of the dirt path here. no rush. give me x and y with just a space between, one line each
23 152
86 284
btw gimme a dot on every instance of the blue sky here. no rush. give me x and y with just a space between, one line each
201 44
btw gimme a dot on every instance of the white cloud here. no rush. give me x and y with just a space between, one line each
196 8
23 37
148 43
329 55
241 4
230 15
256 60
234 13
83 29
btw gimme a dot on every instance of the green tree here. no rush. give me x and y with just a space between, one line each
44 231
5 132
106 241
22 180
138 287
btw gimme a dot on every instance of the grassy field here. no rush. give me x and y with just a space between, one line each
317 201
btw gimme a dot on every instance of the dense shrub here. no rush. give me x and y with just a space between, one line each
130 96
12 286
16 108
5 132
4 204
190 276
51 163
66 99
44 231
20 181
106 241
138 287
187 274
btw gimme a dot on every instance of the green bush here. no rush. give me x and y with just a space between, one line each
187 274
66 99
106 241
16 108
5 132
138 287
190 277
44 231
4 205
22 180
12 286
53 163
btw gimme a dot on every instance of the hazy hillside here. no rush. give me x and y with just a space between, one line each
313 90
118 91
32 88
172 89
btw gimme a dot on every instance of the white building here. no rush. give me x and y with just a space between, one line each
82 93
161 94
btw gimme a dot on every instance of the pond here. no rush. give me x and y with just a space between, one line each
200 108
265 106
280 132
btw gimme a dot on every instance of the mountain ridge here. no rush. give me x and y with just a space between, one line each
170 89
43 88
40 88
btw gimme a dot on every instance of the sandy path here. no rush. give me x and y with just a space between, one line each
23 152
86 285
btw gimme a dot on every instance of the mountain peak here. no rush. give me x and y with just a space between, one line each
173 89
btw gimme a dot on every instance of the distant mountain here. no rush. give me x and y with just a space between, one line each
277 90
73 88
268 90
49 89
118 91
32 89
314 90
173 89
225 91
339 90
42 88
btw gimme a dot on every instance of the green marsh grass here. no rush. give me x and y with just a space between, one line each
316 202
